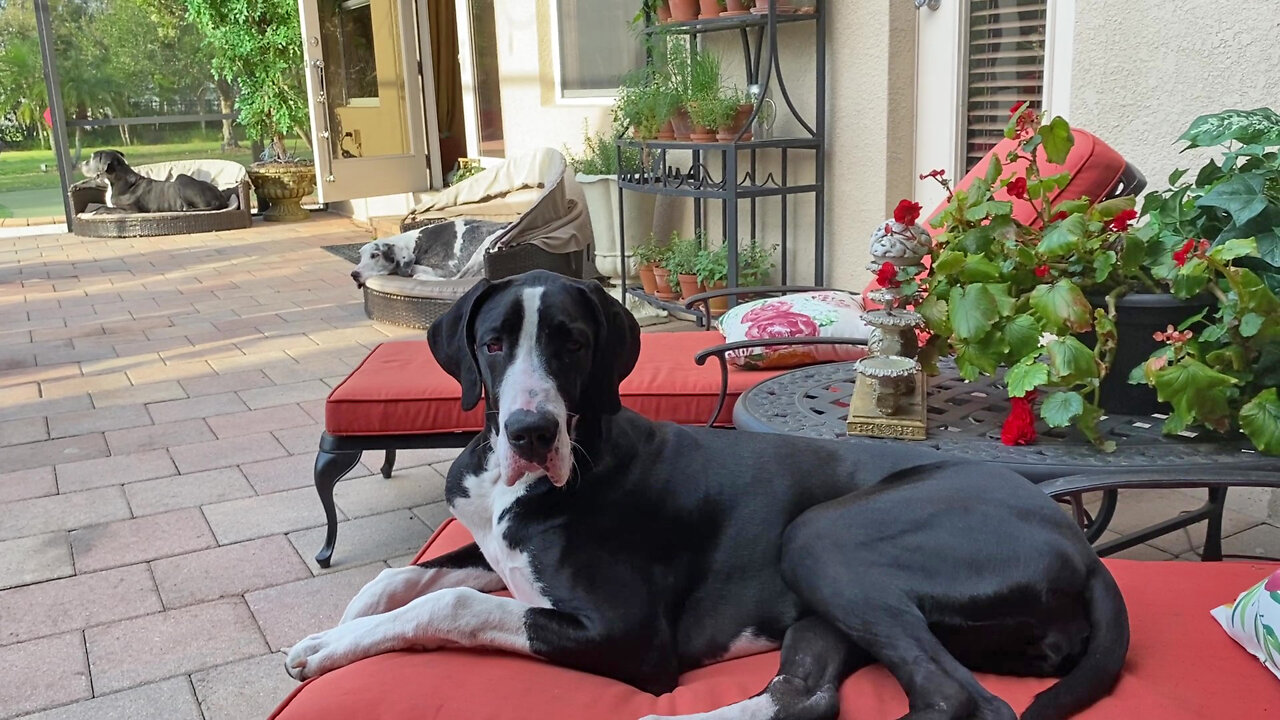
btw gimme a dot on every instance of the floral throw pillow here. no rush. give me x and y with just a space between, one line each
826 313
1253 620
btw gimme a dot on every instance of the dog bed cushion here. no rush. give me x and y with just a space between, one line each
1180 667
400 389
827 313
1253 620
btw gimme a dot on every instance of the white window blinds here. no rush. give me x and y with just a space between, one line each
1006 65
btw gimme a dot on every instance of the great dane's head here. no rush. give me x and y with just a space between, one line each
103 162
382 257
547 352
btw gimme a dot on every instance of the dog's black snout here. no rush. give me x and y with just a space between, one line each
531 434
355 274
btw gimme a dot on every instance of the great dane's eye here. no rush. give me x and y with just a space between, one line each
493 347
573 346
374 255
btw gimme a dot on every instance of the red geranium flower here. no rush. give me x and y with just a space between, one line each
1017 107
1060 215
1181 255
1042 271
907 212
1020 427
1017 188
1122 220
887 276
935 174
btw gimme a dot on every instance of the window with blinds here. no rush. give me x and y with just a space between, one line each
1006 65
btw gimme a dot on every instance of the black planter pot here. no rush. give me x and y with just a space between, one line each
1138 317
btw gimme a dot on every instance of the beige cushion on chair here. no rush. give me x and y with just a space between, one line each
222 174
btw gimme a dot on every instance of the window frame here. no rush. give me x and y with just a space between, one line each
589 98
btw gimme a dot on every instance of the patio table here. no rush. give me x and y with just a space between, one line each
964 420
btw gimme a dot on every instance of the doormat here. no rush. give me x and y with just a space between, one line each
349 252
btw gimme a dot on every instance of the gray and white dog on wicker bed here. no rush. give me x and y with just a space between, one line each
444 251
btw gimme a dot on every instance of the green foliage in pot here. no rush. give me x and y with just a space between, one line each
257 46
682 255
650 253
1006 293
712 266
599 155
755 262
646 100
1218 233
713 111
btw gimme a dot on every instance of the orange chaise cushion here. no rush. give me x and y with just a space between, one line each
1181 666
400 389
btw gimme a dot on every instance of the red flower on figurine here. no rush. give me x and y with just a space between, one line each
1020 427
906 213
887 276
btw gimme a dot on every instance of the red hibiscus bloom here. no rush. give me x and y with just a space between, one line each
1042 271
887 275
1020 427
907 212
1181 255
1060 215
1122 220
1017 188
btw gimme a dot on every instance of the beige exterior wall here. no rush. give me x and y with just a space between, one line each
1143 70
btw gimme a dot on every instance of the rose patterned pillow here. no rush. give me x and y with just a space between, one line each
1253 620
826 313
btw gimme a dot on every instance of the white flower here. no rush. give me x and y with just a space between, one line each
1046 338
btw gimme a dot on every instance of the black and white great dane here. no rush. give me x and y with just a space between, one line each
638 550
128 191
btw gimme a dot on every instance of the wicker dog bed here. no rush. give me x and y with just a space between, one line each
411 303
222 173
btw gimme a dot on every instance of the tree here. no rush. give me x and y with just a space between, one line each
22 93
257 45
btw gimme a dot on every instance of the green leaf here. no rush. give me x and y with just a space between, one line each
994 170
1103 263
1234 248
1061 408
989 208
1260 420
1176 175
1025 377
1023 335
1240 195
972 311
1197 391
1247 127
1087 422
1061 305
978 240
1071 361
1057 140
1250 324
1108 209
1063 237
979 269
949 263
1072 207
934 311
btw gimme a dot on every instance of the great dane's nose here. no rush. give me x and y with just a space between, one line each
531 434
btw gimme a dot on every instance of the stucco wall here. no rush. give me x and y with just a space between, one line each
1144 69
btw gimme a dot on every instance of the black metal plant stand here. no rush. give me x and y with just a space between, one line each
740 177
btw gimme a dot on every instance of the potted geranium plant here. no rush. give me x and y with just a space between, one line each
257 46
1221 234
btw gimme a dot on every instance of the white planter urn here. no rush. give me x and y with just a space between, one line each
601 192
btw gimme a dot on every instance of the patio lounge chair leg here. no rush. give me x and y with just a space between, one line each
330 467
1213 531
389 463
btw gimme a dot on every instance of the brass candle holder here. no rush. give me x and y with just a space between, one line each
889 392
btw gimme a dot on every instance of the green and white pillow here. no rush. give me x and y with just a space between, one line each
1253 620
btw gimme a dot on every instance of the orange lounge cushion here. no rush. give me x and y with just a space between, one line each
1181 666
400 389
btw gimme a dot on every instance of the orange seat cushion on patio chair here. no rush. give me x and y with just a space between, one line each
1181 666
400 389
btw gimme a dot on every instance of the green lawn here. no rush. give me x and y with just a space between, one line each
20 169
31 203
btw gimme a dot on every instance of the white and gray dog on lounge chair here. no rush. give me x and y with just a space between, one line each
443 251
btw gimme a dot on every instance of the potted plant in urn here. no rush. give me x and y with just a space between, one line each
1069 304
257 46
597 169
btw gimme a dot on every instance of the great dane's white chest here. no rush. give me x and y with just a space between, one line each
481 512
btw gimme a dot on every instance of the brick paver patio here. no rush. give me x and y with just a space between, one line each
160 404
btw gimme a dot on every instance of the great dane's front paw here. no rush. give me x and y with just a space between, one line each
329 650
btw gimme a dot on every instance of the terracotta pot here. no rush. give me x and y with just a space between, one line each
762 7
681 124
735 7
689 285
729 132
664 13
702 134
284 185
647 279
710 9
667 132
662 279
719 305
683 10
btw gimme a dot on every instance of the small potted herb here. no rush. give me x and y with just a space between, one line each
712 269
648 256
682 260
662 274
755 262
742 108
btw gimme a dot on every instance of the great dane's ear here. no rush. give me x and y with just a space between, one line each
453 343
617 348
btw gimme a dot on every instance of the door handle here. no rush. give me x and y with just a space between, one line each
931 4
